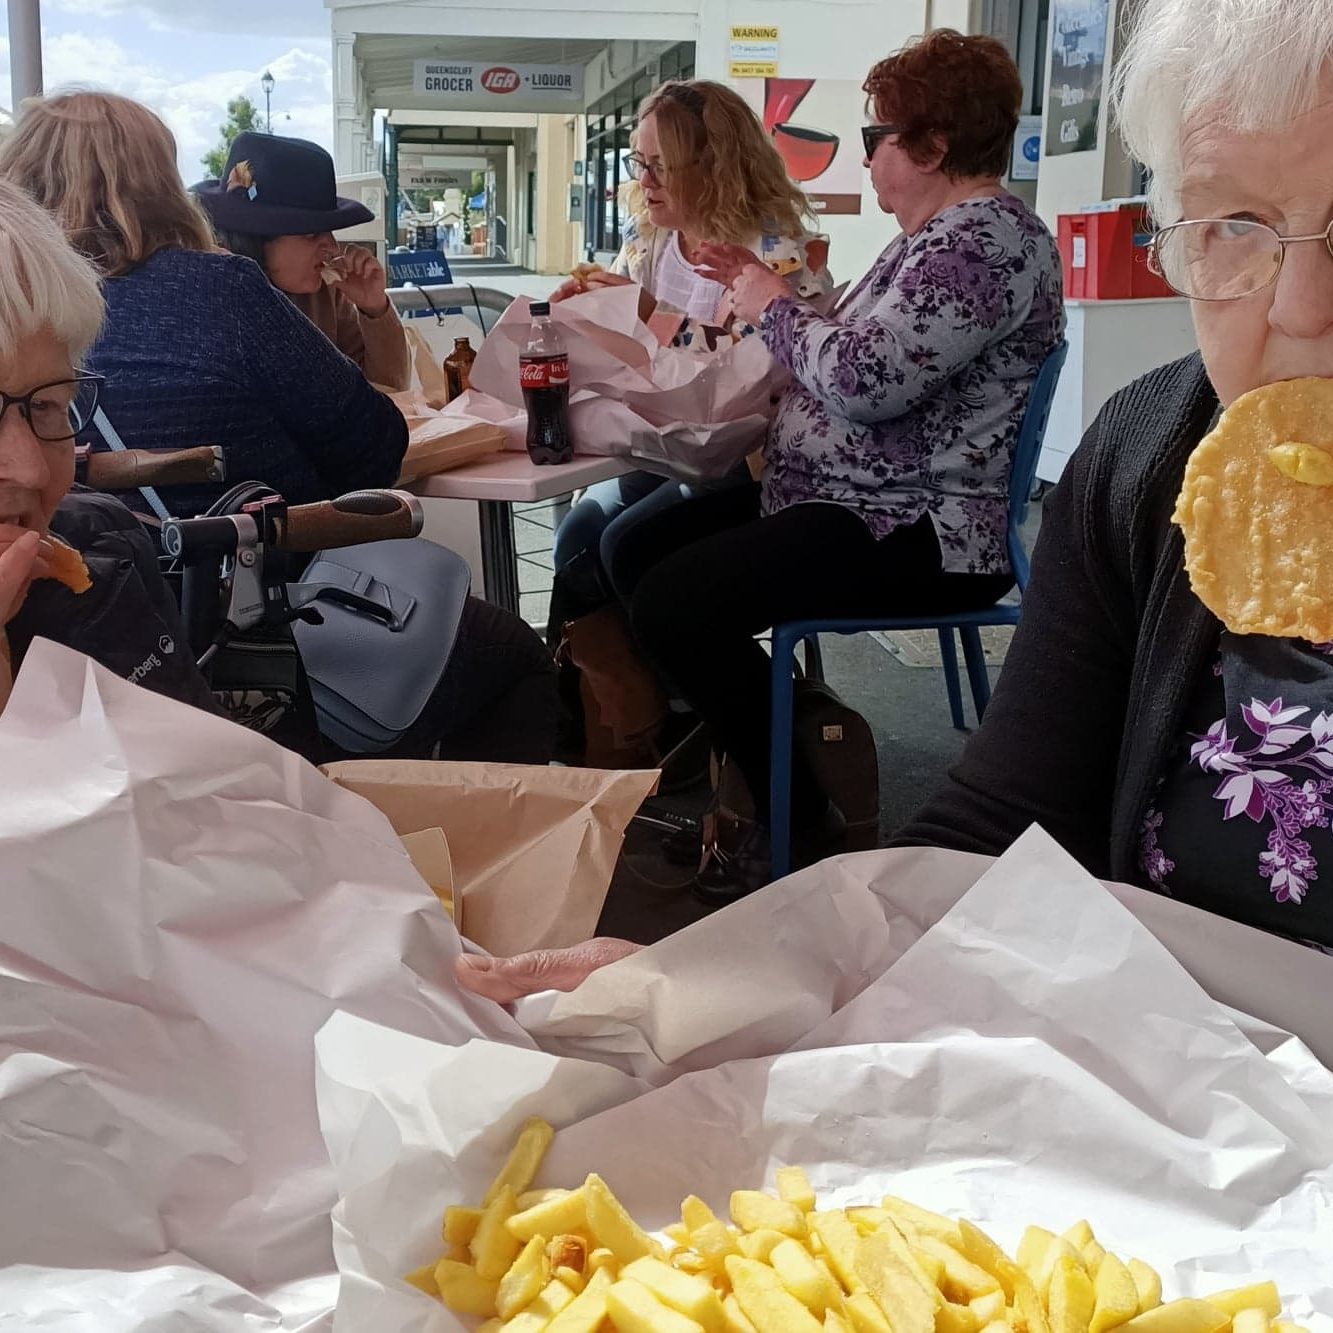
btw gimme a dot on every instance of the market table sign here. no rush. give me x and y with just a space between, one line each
471 84
753 52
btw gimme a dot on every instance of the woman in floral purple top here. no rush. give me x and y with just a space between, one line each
909 400
886 477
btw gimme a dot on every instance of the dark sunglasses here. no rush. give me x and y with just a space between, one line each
873 135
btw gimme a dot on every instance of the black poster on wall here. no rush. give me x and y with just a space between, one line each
1078 63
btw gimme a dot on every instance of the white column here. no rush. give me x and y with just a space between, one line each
351 135
25 49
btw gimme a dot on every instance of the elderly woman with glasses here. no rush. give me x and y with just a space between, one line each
1159 748
50 313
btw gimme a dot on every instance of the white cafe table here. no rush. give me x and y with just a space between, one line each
497 483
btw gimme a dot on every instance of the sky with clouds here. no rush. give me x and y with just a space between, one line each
187 58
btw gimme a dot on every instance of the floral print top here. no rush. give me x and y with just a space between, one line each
909 398
1241 821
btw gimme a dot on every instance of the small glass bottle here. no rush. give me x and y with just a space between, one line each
458 367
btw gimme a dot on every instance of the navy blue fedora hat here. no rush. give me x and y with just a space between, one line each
275 186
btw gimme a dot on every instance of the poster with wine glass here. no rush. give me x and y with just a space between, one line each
816 126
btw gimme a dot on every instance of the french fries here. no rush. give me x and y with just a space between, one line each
575 1261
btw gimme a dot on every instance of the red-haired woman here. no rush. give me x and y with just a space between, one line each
885 489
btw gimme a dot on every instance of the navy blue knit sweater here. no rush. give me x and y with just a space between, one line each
202 349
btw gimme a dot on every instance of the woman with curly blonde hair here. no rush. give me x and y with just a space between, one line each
703 173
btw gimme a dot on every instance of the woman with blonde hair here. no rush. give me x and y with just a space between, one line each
703 173
198 346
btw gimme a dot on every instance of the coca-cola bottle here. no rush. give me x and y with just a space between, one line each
543 375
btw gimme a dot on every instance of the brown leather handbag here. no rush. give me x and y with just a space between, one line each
624 706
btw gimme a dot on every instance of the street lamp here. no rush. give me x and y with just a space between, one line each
266 83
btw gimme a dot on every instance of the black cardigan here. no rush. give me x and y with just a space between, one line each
1110 649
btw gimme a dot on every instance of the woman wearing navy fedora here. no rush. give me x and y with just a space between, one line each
277 204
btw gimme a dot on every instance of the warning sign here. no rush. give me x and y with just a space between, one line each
753 52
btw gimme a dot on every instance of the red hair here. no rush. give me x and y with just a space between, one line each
966 91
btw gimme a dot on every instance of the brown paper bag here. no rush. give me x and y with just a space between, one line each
430 373
532 848
437 443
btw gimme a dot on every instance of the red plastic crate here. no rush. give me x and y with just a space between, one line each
1105 255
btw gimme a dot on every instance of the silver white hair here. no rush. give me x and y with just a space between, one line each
44 282
1252 65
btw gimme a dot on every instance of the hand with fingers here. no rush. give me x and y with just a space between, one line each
505 980
21 561
598 280
363 281
723 263
754 286
588 281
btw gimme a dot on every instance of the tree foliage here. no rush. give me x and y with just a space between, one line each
242 116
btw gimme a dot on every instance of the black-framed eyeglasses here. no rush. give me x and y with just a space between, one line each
1223 259
637 167
874 135
56 411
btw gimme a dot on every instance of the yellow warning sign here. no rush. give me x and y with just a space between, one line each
753 53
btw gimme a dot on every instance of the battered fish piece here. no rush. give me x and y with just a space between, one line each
582 272
66 564
1256 509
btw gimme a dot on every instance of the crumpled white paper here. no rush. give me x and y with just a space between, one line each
1035 1056
184 905
813 941
691 415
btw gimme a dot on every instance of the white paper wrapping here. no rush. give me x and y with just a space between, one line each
184 905
1036 1056
675 411
813 941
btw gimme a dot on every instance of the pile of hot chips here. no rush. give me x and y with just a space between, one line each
571 1261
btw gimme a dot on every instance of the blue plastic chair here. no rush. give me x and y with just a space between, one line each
967 623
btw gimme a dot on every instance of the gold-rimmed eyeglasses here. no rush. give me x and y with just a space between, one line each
1223 259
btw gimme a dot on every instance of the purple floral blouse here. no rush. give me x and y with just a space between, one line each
908 399
1240 823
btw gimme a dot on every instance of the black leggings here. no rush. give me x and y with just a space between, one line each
709 574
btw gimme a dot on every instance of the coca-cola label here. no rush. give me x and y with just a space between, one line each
552 373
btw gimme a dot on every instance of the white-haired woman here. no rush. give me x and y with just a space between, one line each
1125 721
50 313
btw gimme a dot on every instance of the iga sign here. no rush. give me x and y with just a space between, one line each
474 84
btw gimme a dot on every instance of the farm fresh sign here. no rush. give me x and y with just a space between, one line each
470 85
